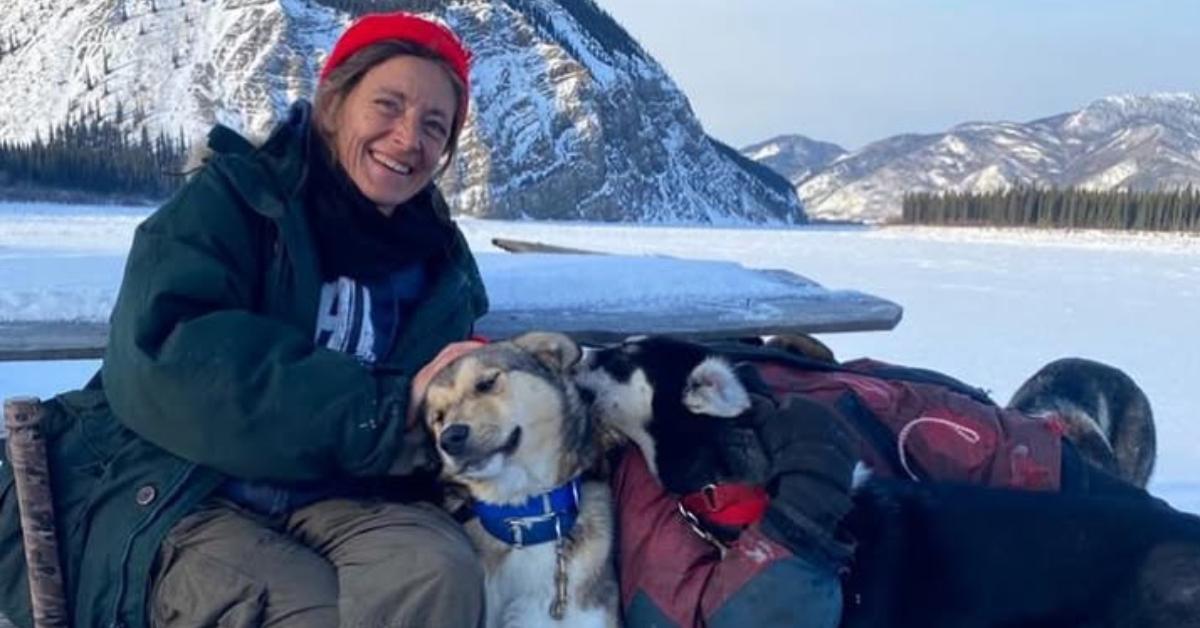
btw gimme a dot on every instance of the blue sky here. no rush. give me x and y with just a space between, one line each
854 71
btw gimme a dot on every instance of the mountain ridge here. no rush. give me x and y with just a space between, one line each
571 119
1138 142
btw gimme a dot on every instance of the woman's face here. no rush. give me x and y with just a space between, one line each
391 130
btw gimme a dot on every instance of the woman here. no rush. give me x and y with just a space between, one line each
275 319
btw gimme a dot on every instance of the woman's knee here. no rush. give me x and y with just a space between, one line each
397 563
454 560
437 586
217 567
436 576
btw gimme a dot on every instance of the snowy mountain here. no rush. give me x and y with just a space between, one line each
794 156
571 118
1136 142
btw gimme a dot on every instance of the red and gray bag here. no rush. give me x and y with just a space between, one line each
920 424
908 422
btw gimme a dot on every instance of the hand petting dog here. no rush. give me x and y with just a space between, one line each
420 381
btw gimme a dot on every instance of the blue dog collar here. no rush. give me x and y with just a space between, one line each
541 518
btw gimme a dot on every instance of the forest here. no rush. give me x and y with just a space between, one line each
1071 208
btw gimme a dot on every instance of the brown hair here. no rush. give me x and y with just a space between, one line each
333 89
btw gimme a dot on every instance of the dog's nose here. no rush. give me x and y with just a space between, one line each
454 439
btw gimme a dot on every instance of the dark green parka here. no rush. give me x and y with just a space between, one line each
211 372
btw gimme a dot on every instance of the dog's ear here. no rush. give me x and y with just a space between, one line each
555 350
713 389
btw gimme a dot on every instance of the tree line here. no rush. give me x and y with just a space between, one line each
1175 210
90 154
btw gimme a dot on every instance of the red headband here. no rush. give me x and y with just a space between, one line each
400 26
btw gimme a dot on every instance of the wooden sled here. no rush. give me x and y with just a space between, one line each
781 303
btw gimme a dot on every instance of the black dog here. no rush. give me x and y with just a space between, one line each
942 555
926 554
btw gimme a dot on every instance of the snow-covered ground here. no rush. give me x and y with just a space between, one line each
987 306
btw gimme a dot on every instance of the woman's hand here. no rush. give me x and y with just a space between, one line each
421 380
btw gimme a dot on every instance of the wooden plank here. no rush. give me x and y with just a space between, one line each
52 340
527 246
598 298
836 312
831 312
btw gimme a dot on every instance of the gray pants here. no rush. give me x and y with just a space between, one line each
333 563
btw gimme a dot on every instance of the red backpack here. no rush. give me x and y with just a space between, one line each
909 423
916 423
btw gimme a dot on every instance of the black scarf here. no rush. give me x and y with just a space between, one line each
354 239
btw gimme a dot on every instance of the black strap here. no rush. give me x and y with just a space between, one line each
740 351
877 434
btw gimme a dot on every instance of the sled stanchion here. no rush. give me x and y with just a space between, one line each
31 474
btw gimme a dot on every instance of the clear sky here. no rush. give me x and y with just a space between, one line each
854 71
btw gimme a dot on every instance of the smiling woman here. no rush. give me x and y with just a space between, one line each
274 322
392 115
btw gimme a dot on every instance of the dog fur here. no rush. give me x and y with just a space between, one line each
927 554
1102 410
521 430
643 388
966 556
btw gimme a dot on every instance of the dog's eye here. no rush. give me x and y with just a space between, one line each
487 383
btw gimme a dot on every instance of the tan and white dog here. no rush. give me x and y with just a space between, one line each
510 427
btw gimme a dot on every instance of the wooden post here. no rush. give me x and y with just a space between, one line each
27 454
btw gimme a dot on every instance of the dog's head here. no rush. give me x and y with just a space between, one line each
506 418
686 408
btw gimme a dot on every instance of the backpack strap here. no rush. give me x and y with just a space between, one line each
740 351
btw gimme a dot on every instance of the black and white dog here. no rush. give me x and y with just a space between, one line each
927 554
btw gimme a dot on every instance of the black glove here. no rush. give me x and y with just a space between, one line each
812 460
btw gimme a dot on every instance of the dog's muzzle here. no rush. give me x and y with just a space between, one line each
455 443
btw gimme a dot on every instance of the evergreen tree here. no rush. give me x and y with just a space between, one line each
90 154
1177 210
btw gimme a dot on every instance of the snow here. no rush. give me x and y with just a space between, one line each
650 281
566 28
988 179
987 306
770 150
955 146
1112 177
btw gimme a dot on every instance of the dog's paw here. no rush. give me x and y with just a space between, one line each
804 345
